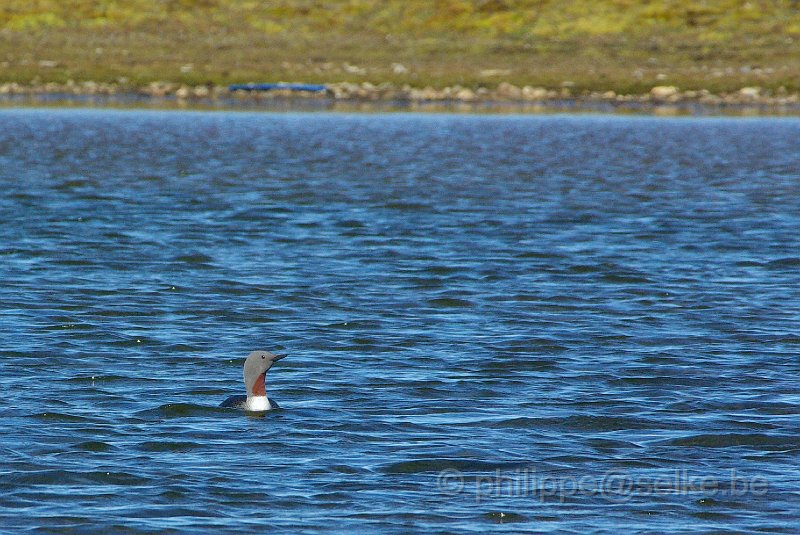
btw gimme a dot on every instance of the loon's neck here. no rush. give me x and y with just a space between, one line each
257 395
257 387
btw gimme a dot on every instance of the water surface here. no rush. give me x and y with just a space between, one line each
533 323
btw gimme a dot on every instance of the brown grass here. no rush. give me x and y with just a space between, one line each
623 45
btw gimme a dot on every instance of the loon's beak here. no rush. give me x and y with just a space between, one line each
279 357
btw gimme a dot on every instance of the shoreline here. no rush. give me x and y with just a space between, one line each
660 100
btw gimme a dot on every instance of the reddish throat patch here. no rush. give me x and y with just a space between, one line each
258 388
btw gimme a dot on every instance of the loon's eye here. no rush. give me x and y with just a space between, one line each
263 356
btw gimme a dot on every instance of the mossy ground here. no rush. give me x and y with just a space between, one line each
622 45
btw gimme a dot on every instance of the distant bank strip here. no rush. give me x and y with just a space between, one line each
661 99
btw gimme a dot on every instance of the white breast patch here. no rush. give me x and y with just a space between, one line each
257 403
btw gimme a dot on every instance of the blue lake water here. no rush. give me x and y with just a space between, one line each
524 323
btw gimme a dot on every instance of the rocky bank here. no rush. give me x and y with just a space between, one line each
365 92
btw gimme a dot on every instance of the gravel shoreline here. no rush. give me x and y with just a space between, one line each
782 101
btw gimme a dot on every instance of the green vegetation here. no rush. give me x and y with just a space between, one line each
623 45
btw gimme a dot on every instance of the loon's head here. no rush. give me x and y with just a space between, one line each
256 367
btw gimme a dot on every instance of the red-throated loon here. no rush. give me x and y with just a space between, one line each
256 367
